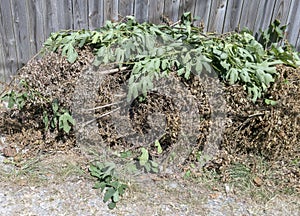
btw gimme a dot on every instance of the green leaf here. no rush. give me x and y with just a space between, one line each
254 92
245 76
96 37
55 106
270 102
158 146
11 100
95 171
232 76
225 65
65 120
126 154
100 185
198 67
180 71
116 197
143 159
108 194
46 120
164 64
122 189
112 205
153 164
147 167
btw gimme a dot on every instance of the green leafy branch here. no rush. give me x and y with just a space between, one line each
108 182
58 118
145 162
152 51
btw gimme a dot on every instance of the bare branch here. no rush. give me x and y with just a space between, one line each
100 107
105 114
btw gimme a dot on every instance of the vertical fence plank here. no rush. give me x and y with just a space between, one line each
294 24
80 14
141 10
9 48
3 77
111 10
156 10
50 19
264 15
65 14
96 10
297 45
232 17
186 6
202 9
217 16
126 8
36 24
171 9
20 25
281 10
59 16
249 12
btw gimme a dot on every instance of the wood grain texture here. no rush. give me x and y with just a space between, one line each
264 15
202 10
80 14
294 24
249 13
297 45
141 9
96 11
156 10
281 10
111 10
217 16
8 41
20 24
65 14
232 16
126 8
36 26
187 6
171 9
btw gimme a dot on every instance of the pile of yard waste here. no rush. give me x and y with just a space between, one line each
267 128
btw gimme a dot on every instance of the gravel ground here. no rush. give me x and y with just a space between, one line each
52 187
76 197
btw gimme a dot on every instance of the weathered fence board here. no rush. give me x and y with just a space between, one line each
281 10
249 13
126 7
294 24
9 49
141 9
171 9
202 12
80 14
264 15
217 15
21 30
96 10
186 5
25 24
36 19
233 14
111 10
156 9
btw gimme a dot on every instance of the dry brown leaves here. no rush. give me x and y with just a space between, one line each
259 129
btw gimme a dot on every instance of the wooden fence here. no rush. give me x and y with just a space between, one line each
25 24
